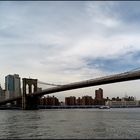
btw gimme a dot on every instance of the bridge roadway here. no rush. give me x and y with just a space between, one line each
126 76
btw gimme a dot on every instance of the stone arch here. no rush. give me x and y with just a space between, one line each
27 89
32 88
27 101
32 85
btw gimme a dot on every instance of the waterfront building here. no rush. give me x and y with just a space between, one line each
115 103
51 101
99 100
55 101
12 86
132 103
2 94
122 103
79 101
87 100
70 100
99 94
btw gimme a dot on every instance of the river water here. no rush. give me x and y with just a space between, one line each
70 124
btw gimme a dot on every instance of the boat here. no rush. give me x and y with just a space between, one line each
104 107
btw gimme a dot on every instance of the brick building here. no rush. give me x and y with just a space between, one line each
87 100
70 100
99 94
78 101
99 100
49 101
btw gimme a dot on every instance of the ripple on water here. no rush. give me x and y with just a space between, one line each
71 123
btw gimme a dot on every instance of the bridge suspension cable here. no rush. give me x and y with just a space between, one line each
138 68
126 72
44 83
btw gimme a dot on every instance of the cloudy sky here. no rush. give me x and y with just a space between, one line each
66 41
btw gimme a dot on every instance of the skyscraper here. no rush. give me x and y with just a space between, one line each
12 86
99 100
99 94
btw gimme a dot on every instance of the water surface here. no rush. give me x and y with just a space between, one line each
70 123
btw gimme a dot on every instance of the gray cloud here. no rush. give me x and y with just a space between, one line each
68 41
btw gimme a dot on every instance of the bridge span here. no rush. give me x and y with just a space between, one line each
126 76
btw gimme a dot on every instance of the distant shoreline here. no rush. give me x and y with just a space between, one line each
81 107
66 107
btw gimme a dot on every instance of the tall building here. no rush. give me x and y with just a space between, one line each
99 94
99 100
12 86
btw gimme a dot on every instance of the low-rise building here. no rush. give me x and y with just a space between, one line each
78 101
70 100
51 101
115 103
122 103
132 103
87 100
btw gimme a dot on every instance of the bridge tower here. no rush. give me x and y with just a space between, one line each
29 87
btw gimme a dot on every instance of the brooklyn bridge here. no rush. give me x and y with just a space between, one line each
30 100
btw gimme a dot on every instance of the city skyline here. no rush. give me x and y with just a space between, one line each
64 42
13 87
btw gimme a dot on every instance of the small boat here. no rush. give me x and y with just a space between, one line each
104 107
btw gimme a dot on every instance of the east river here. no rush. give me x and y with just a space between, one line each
94 123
